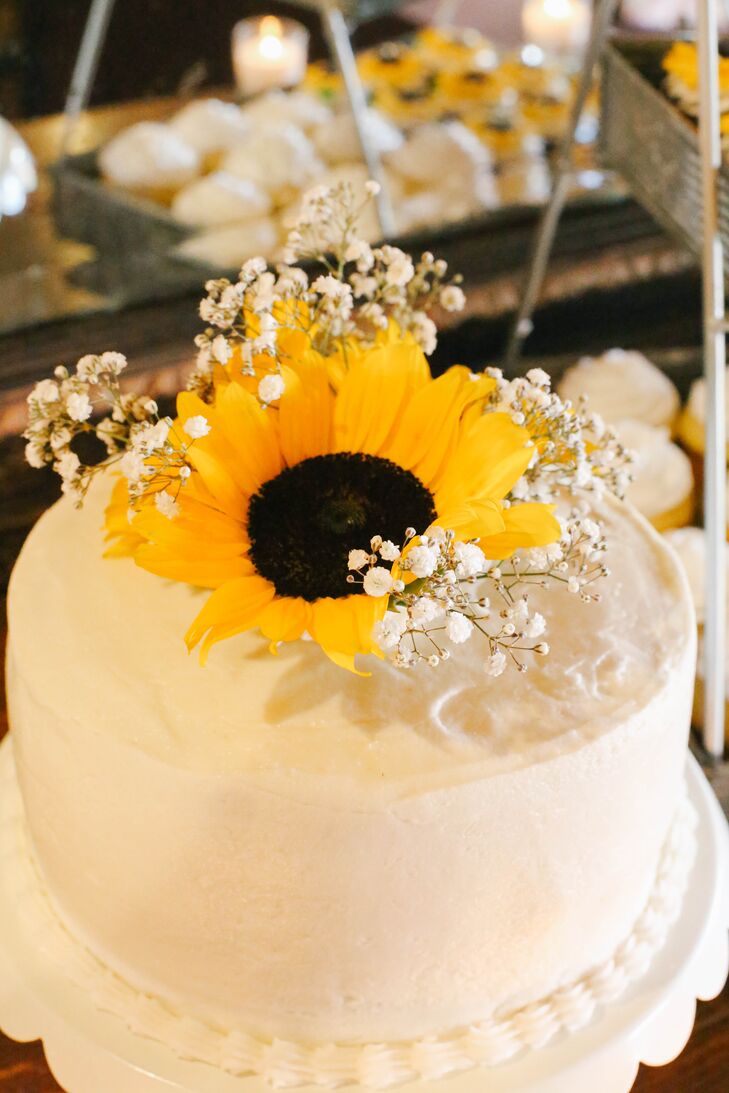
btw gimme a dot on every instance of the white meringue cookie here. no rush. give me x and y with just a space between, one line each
149 154
279 156
337 140
298 107
210 125
439 151
229 245
220 198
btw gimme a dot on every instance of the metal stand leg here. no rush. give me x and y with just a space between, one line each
714 371
544 239
337 33
87 60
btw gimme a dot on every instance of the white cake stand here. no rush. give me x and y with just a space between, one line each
89 1051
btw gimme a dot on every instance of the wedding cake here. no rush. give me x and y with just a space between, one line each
424 838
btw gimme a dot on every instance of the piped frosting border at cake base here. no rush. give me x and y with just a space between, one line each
284 1063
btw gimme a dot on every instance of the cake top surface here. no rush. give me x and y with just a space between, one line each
101 640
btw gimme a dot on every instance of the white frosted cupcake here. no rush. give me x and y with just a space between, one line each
692 423
337 140
622 384
663 482
297 107
211 126
690 545
281 159
149 159
230 245
220 198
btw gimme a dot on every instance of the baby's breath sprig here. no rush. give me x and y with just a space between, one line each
443 591
137 440
359 292
574 449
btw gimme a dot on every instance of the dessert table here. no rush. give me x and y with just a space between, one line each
158 338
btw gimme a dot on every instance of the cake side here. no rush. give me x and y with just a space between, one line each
382 884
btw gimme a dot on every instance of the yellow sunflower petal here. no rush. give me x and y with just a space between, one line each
305 411
234 607
474 519
179 535
198 570
373 395
284 619
491 457
343 627
528 525
431 423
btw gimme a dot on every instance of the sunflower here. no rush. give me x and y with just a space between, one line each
278 496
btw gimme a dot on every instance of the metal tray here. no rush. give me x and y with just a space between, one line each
655 147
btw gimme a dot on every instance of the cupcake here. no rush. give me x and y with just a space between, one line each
663 483
228 246
682 77
692 422
455 48
211 126
392 64
149 160
280 159
220 198
439 152
690 545
337 140
622 384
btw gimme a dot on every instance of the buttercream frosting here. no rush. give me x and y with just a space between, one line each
622 384
662 474
272 844
279 156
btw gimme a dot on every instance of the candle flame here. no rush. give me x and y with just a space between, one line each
271 38
271 26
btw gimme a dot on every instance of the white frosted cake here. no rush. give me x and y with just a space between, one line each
379 829
276 846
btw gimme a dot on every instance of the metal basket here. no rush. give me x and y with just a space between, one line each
653 144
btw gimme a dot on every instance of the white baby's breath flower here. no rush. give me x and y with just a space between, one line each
459 628
45 391
535 626
166 505
357 559
88 367
538 377
112 362
271 388
79 406
452 298
422 561
372 188
496 664
330 286
132 465
573 585
389 551
470 559
147 438
221 349
197 426
378 581
424 331
67 465
389 630
400 270
424 609
35 455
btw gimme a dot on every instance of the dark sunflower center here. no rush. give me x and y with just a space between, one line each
303 523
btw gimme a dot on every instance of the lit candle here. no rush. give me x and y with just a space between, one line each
557 26
268 52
